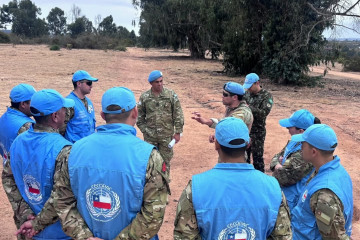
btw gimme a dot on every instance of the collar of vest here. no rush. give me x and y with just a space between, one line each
119 128
239 166
332 164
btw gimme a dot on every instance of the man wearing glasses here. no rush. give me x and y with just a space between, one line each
235 107
82 118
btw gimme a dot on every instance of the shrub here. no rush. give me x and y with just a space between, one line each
54 48
120 48
4 38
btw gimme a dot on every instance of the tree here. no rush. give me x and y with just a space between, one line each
107 27
56 21
81 25
75 12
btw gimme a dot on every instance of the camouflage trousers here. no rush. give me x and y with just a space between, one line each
257 150
162 146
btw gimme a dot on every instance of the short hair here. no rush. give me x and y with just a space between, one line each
39 119
324 152
121 117
16 105
316 121
234 152
74 84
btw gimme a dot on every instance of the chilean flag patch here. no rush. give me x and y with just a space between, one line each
100 201
33 188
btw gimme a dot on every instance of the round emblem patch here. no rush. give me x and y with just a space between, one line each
238 231
32 189
103 203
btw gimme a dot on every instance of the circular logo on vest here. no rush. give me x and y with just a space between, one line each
90 109
304 196
238 231
32 189
102 203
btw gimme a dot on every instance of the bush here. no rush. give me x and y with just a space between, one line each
54 48
120 48
4 38
352 64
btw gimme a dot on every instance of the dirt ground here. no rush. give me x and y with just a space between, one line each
199 87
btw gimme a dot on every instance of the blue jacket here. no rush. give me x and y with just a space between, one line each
107 173
33 156
83 123
303 220
235 201
10 123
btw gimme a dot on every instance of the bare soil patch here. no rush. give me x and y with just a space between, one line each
199 86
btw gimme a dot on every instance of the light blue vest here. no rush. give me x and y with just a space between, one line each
302 218
33 156
83 122
10 123
107 174
293 192
235 201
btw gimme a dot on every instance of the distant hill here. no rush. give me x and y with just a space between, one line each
5 31
344 39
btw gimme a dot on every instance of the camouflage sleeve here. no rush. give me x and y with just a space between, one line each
293 170
21 209
24 128
48 214
328 211
185 221
264 108
141 120
282 229
69 114
178 116
148 221
276 159
64 202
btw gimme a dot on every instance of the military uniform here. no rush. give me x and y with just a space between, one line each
186 226
242 112
260 105
159 118
295 171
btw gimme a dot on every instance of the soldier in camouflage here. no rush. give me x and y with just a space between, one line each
260 102
13 122
325 207
214 206
288 166
235 106
142 218
161 118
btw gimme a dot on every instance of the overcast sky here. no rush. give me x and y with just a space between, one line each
123 12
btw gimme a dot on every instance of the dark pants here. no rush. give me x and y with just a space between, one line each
257 150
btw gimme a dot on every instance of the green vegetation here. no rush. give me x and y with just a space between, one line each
54 48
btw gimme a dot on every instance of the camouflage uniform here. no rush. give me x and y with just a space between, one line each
146 223
326 202
186 224
294 168
20 207
242 111
69 114
260 105
159 118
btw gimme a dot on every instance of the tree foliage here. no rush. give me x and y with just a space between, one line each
56 21
81 25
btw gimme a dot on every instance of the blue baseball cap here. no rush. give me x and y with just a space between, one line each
48 101
234 88
250 79
320 136
120 96
301 119
154 75
83 75
229 129
22 92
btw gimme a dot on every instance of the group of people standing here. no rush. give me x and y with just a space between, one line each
66 180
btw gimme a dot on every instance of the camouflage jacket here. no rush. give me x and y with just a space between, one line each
260 105
160 116
186 224
146 223
242 111
293 170
20 207
326 202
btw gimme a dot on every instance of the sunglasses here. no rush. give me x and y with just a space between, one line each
89 83
227 94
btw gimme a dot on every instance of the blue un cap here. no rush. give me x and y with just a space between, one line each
250 79
83 75
22 92
234 88
320 136
119 96
229 129
48 101
154 75
300 119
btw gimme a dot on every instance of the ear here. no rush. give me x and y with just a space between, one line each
217 145
102 115
301 131
135 112
22 105
54 117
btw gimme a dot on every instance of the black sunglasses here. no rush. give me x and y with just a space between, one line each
226 94
89 83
